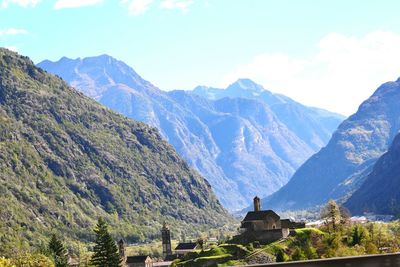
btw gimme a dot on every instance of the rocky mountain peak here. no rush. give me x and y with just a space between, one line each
245 142
243 87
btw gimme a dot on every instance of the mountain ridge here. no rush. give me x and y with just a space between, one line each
186 120
379 193
316 132
342 166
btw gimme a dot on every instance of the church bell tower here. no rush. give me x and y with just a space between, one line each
166 241
257 204
121 248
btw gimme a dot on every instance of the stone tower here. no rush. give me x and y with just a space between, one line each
257 204
166 241
121 249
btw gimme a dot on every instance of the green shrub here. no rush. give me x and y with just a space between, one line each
32 260
6 262
281 256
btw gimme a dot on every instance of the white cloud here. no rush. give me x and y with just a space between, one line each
61 4
22 3
344 70
137 7
176 4
12 31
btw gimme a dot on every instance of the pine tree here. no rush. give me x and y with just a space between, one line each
331 214
334 214
58 251
105 251
201 242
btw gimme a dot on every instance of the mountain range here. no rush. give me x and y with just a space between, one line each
345 163
66 160
244 140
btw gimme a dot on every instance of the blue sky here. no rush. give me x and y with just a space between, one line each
330 54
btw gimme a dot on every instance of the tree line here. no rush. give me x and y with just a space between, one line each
55 254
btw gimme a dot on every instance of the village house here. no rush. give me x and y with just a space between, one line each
133 261
184 248
138 261
264 226
180 250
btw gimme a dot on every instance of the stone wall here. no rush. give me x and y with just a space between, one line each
382 260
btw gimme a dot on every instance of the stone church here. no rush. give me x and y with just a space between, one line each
264 226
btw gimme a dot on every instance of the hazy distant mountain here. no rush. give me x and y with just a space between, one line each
380 193
65 160
314 126
256 151
243 145
341 167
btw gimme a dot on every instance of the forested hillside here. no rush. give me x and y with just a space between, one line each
65 160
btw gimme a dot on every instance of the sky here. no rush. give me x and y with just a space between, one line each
329 54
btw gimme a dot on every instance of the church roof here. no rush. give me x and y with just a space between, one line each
184 246
260 215
136 259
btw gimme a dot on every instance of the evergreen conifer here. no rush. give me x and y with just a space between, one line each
105 251
58 252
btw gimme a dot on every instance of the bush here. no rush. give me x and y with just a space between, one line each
370 248
359 234
299 255
309 251
250 246
281 256
257 244
6 262
32 260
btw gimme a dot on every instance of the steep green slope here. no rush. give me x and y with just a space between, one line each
380 193
65 160
117 86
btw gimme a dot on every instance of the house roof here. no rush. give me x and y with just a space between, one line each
136 259
286 223
184 246
171 257
260 215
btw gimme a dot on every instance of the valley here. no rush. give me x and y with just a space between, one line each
199 133
244 139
